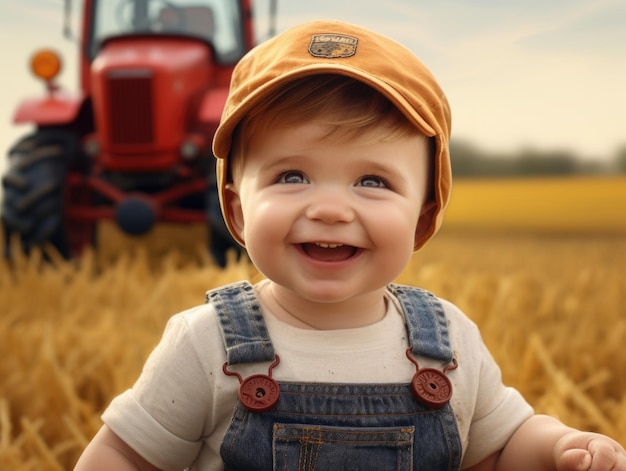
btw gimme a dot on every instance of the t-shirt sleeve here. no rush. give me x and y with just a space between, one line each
498 410
163 416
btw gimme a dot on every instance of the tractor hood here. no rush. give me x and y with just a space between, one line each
147 91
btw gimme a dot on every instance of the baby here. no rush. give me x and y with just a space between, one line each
333 166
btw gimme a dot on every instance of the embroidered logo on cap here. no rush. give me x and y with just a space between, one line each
332 46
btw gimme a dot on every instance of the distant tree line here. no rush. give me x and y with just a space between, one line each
470 161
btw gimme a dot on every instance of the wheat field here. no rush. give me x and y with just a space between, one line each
584 205
74 334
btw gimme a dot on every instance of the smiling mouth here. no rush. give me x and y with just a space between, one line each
329 252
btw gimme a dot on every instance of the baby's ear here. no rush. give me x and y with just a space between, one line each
426 221
233 210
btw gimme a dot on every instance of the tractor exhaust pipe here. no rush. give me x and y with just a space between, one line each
67 14
273 8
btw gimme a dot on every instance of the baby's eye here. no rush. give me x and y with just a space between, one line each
372 181
292 177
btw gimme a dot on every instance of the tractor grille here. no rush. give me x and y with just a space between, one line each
131 114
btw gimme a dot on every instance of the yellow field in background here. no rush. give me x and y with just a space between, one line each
576 204
550 304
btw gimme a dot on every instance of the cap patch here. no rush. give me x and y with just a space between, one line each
332 46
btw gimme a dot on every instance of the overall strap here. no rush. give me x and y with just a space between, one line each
247 340
243 329
426 322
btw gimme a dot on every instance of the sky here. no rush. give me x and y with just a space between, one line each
545 74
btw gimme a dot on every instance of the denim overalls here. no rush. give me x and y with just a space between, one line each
335 426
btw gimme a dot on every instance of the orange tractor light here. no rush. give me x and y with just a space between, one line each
46 64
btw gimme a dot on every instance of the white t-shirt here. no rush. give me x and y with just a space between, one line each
179 409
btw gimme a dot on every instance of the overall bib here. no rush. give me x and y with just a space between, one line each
334 426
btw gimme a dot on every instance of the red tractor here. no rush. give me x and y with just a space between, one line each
133 145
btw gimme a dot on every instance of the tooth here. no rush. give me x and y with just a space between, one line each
327 246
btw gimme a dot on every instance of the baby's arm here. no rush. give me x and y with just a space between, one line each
107 451
544 443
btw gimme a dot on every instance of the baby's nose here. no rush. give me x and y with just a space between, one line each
330 206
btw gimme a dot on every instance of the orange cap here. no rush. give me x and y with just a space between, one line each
333 47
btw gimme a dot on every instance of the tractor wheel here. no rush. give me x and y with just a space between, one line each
220 240
33 187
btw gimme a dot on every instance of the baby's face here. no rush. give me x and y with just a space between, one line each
329 218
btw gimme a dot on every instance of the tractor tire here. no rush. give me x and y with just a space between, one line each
33 188
220 241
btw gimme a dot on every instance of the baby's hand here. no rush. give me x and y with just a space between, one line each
585 451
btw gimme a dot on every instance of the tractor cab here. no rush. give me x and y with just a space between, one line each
218 22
